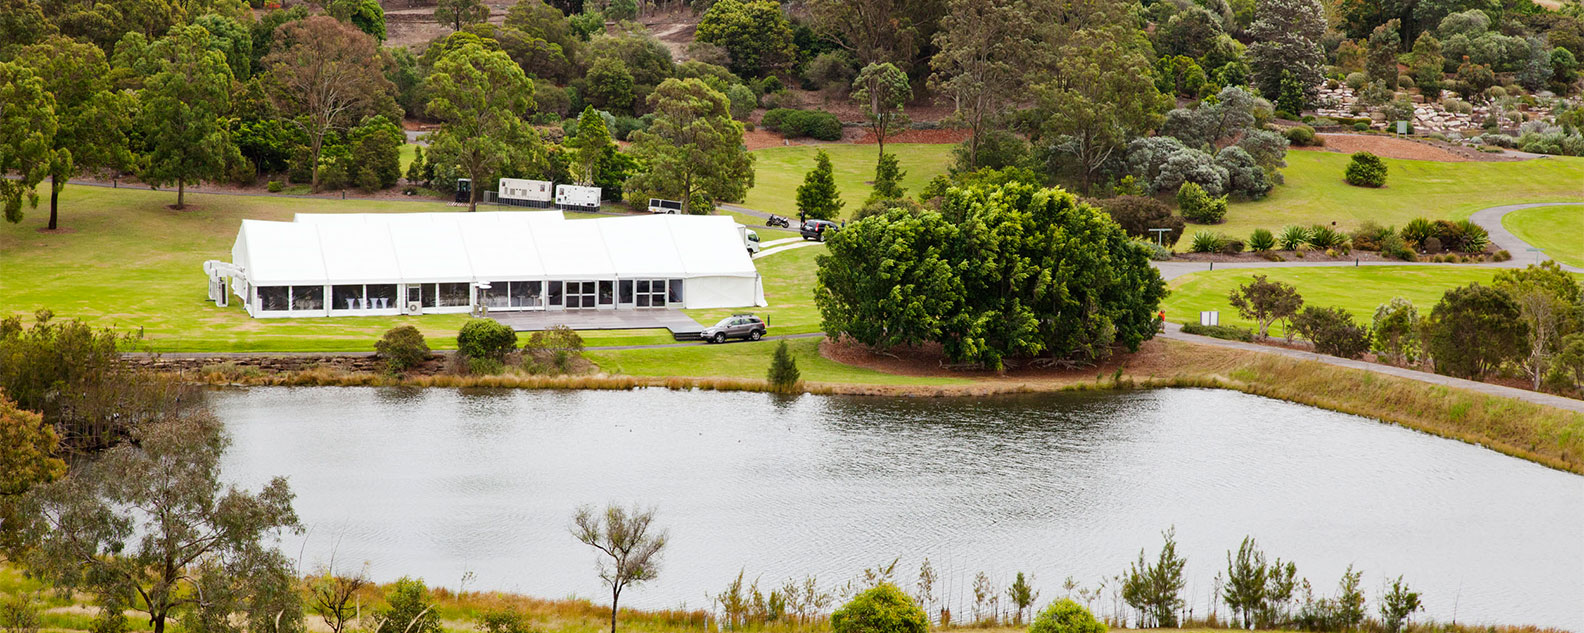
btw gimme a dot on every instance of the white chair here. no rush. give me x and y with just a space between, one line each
351 303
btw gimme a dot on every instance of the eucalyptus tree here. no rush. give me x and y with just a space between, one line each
27 136
881 90
629 543
186 92
694 148
480 97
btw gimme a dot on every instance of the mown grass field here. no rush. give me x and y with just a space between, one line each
1315 193
779 170
1559 231
1358 290
749 361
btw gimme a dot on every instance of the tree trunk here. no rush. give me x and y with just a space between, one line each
181 192
313 184
54 203
615 595
473 194
159 623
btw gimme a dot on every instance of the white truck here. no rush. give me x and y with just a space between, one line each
659 205
750 239
576 198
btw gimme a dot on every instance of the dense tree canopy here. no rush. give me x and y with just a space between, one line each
756 34
693 147
480 98
27 136
183 100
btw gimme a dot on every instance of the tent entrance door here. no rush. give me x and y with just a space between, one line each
582 295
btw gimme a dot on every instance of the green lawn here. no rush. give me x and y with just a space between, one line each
779 170
408 153
747 360
789 285
1559 231
130 263
1315 193
1358 290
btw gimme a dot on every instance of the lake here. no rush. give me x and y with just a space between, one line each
438 483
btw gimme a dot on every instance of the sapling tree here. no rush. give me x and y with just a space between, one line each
1022 594
784 374
1394 333
817 197
630 544
1397 605
332 595
1265 302
881 90
1155 589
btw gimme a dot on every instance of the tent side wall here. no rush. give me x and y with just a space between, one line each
722 292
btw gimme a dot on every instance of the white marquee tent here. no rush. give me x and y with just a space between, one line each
405 263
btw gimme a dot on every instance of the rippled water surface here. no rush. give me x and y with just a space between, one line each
435 483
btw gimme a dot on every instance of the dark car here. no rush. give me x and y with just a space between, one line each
815 229
745 326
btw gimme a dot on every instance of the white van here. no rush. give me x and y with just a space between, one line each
750 239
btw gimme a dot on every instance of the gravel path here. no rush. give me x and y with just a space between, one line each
1174 332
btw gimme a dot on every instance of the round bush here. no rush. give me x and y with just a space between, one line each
486 339
1138 214
402 347
1066 616
1200 207
1261 240
1304 136
1366 170
275 186
883 609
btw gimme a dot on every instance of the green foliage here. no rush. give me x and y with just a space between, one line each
402 347
1366 170
1266 302
459 13
556 348
587 24
1199 207
1397 604
1155 589
486 339
1343 613
817 196
1207 242
619 10
1228 332
881 90
409 609
755 33
1473 330
873 257
1417 230
1322 237
590 147
743 101
694 149
609 85
28 451
1286 52
503 620
1261 240
1333 331
1304 136
367 15
1293 238
817 124
28 126
783 375
888 179
1138 214
1066 616
275 186
376 153
182 102
882 609
480 98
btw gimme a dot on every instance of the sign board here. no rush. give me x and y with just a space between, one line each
1210 317
1402 127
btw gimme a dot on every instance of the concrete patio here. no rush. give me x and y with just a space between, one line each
682 326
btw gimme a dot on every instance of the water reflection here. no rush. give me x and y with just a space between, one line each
438 482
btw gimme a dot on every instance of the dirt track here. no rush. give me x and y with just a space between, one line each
1392 147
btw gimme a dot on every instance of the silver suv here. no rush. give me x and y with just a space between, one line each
745 326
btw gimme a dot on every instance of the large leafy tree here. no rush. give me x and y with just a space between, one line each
693 147
151 526
27 451
95 120
480 98
27 136
459 13
890 280
1103 98
591 145
876 31
187 91
755 34
985 48
881 90
325 75
1473 330
367 15
1287 38
1551 303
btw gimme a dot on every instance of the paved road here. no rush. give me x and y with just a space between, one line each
1491 219
1174 332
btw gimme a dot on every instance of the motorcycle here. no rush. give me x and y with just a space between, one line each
776 220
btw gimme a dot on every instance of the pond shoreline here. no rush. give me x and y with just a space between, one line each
1544 435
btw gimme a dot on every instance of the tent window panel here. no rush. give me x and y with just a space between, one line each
555 293
274 298
643 300
607 292
498 295
527 294
626 292
453 295
307 297
643 286
346 297
676 291
381 296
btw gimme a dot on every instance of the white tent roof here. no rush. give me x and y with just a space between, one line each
486 246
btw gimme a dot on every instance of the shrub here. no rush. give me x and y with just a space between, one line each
1473 330
486 339
791 123
408 601
1066 616
1323 237
1368 236
1366 170
1474 237
1156 252
783 374
1293 238
402 347
1207 242
556 347
275 186
1261 240
1502 255
1138 214
1228 332
1416 230
883 609
1394 247
1432 245
1394 333
1232 247
1304 136
1199 207
1333 331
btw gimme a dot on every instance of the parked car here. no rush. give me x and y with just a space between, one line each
815 229
745 326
